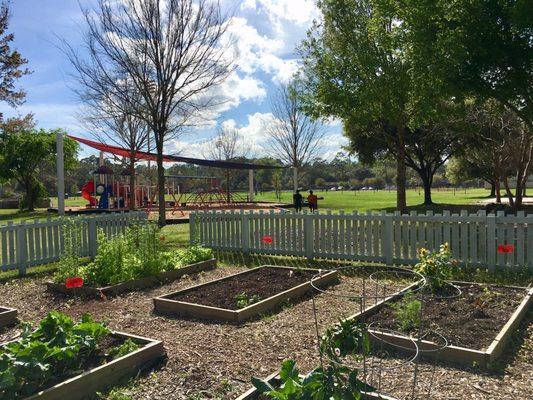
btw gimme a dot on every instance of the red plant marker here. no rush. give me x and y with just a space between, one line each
268 239
75 282
505 248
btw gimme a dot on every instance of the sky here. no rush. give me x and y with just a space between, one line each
265 33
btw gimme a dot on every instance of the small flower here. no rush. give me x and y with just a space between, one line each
337 352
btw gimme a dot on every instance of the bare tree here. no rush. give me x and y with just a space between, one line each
227 145
293 136
171 51
118 126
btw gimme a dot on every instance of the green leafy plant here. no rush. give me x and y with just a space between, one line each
407 313
436 266
129 346
332 383
137 253
242 300
58 347
347 337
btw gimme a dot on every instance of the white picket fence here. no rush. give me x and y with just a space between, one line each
31 243
385 238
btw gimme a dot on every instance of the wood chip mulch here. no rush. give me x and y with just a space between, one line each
216 361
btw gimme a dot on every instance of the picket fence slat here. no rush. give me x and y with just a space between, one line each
38 242
383 237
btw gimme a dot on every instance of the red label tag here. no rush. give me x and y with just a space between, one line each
267 239
505 248
75 282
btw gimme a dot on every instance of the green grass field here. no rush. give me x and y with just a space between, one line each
348 201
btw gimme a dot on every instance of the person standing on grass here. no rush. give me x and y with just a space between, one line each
298 201
312 199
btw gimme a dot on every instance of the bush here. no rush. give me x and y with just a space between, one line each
407 313
437 267
138 253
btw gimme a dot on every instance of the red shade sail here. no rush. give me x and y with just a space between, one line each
142 155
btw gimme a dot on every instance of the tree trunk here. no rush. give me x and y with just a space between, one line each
497 189
401 201
132 184
161 185
295 178
492 189
426 181
508 192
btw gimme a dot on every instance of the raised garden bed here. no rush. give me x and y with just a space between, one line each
8 316
477 324
136 284
103 376
252 394
242 296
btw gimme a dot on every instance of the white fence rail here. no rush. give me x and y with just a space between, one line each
387 238
27 244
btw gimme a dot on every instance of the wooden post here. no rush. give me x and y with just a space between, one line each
250 185
22 250
245 232
308 235
60 170
491 241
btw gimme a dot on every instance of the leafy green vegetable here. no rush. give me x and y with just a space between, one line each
347 337
129 346
137 253
407 312
242 300
57 347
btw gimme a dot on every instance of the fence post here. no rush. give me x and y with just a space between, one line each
192 228
387 238
491 242
22 248
245 232
92 237
308 236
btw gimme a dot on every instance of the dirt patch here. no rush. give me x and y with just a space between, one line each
260 284
471 320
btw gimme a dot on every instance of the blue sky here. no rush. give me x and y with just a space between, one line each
266 33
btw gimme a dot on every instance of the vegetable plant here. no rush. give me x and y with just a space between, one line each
331 383
407 313
347 337
436 266
57 348
242 300
137 253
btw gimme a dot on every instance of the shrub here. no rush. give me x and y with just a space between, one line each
436 266
58 347
345 338
407 313
137 253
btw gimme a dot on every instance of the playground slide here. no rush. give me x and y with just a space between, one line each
86 191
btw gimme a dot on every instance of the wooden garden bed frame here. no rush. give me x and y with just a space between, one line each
100 378
252 393
165 305
135 284
8 316
456 354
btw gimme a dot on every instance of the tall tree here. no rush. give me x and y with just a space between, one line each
26 152
11 63
227 145
120 126
479 48
356 67
293 136
171 51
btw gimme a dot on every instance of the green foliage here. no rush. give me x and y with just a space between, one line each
242 300
58 347
436 266
26 152
332 383
407 313
137 253
347 337
129 346
69 262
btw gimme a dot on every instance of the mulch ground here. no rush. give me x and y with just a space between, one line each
216 361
